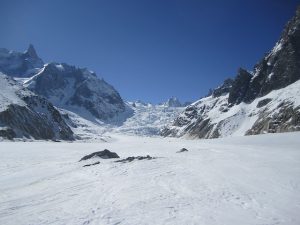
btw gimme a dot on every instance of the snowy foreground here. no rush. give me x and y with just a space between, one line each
240 180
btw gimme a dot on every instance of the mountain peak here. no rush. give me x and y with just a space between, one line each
31 52
173 102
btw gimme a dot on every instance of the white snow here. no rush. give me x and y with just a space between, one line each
238 119
60 67
270 76
231 181
148 119
8 94
277 47
142 119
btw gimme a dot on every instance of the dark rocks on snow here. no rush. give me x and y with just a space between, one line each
105 154
130 159
92 164
263 102
182 150
287 119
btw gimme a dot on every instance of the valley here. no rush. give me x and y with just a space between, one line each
236 180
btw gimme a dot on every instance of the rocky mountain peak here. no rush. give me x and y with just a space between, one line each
239 86
222 89
20 64
172 102
30 52
281 67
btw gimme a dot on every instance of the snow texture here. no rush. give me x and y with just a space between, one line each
239 180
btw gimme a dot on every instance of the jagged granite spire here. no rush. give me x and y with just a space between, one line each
239 86
20 64
30 52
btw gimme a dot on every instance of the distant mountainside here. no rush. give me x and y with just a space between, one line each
172 102
66 87
77 90
56 100
24 114
263 101
147 119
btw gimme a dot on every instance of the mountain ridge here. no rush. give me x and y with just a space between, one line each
229 107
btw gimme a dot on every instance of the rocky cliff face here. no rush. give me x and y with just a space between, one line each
263 101
18 64
24 114
77 90
281 67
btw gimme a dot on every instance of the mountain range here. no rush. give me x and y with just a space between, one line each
265 100
57 101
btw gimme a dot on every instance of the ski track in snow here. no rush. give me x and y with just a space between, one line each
237 180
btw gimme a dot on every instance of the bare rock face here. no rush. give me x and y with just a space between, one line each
239 87
26 115
281 67
262 101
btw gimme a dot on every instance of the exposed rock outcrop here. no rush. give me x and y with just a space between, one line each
105 154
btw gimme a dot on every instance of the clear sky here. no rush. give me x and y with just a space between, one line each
149 49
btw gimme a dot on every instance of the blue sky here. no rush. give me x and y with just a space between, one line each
149 49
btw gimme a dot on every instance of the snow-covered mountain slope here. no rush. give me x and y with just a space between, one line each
212 117
20 64
141 119
24 114
147 119
263 101
241 180
77 90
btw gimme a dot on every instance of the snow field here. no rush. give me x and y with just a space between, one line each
237 180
